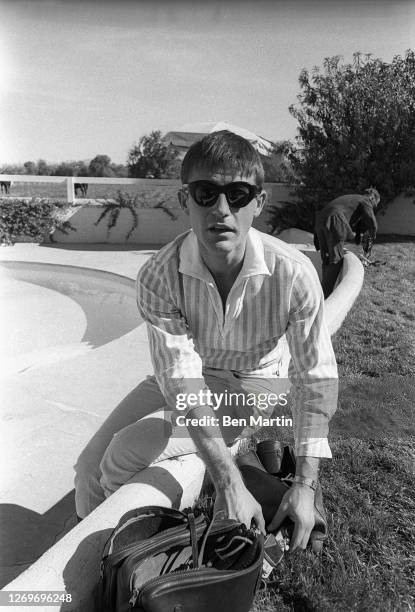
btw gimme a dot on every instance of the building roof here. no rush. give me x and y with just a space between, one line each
185 136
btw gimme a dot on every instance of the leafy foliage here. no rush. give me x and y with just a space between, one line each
287 214
100 165
37 218
277 167
356 129
150 157
68 168
125 201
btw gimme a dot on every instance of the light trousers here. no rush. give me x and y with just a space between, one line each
140 433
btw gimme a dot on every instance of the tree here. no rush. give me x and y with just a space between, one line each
356 130
100 166
277 166
66 168
43 168
150 157
119 170
81 169
29 167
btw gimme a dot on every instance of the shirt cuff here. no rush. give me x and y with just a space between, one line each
313 447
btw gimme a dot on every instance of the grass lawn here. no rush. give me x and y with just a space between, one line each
368 561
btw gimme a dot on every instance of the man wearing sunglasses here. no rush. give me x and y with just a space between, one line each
223 304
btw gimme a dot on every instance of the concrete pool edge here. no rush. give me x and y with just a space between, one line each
96 274
345 293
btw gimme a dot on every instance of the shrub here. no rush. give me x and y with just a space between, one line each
36 218
356 129
125 201
150 157
290 214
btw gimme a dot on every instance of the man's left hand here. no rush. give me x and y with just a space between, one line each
298 505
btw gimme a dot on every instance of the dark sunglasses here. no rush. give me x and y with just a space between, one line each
238 194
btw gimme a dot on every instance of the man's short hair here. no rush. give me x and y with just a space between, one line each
223 151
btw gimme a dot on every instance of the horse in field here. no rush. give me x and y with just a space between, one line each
5 187
82 188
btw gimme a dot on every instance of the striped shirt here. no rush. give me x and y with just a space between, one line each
272 325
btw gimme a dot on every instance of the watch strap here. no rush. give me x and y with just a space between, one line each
303 480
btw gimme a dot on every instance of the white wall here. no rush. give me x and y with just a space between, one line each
399 217
154 225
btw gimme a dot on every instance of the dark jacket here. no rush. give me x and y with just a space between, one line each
355 209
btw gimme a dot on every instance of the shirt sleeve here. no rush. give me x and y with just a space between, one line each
313 369
177 365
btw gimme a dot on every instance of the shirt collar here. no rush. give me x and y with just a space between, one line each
191 262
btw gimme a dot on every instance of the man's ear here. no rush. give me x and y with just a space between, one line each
182 196
260 200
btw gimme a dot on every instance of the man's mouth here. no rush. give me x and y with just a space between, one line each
220 227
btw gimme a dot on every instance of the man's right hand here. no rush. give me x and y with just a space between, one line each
239 504
232 497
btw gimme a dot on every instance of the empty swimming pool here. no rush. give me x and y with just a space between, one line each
72 345
52 312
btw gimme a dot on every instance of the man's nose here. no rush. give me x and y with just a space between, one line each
221 206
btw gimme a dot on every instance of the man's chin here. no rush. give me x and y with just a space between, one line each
214 235
222 242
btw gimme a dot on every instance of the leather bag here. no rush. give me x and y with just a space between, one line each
163 560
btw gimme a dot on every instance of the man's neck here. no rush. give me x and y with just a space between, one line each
224 265
224 269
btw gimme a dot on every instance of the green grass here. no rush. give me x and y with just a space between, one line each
368 561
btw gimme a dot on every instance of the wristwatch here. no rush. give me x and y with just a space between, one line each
303 480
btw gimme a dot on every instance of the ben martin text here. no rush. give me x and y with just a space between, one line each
228 421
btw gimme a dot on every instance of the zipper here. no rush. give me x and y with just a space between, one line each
200 573
127 524
179 539
135 593
135 519
128 550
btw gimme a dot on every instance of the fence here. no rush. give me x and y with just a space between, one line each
69 182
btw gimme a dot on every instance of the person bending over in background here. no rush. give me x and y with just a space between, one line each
347 217
222 302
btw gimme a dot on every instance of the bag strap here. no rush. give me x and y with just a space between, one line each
193 539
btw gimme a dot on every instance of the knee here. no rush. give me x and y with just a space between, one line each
117 466
87 473
131 450
87 464
88 490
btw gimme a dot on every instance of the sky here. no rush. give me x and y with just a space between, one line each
79 79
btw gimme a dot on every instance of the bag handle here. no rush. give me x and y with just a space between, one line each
205 537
